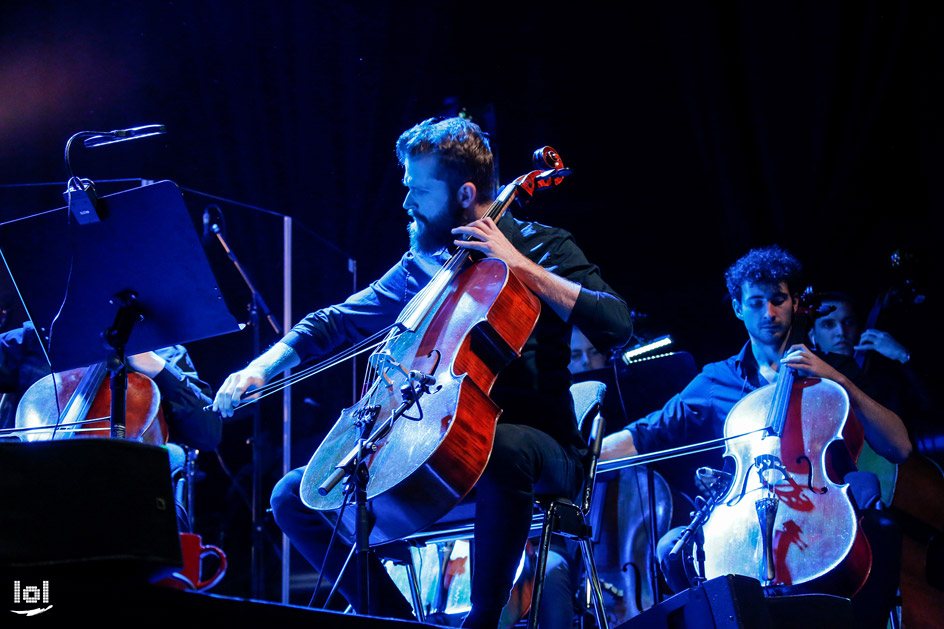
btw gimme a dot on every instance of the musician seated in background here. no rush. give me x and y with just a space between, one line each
183 396
449 176
891 366
838 331
583 355
764 285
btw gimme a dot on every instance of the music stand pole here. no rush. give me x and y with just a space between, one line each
256 306
116 337
257 508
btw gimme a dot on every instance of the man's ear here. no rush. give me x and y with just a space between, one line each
466 194
738 311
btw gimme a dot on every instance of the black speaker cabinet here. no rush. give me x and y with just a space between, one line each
735 602
84 505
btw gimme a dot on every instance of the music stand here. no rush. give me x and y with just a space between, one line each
137 280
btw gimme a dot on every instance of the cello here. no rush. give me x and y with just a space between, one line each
786 519
624 552
77 404
423 431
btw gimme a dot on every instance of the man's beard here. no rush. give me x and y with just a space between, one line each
429 236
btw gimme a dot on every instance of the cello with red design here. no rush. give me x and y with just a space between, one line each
786 518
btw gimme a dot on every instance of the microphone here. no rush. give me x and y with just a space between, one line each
212 221
124 135
424 379
711 479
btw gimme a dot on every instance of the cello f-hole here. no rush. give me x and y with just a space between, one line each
438 358
809 474
737 498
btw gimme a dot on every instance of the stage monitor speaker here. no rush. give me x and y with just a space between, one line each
735 602
85 506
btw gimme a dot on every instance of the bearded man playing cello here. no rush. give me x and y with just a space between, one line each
449 176
763 286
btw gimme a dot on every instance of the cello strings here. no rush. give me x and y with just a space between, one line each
362 347
455 262
55 427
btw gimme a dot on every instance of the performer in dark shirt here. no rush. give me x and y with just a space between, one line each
449 176
763 286
902 383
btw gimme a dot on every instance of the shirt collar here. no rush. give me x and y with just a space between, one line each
746 365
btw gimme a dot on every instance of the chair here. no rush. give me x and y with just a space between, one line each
554 515
563 516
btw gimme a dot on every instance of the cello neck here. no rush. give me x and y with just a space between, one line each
521 189
424 301
777 416
76 409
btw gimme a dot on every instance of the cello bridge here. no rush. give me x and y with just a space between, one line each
770 470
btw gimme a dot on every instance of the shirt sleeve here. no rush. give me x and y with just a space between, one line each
11 355
362 314
183 399
688 417
600 313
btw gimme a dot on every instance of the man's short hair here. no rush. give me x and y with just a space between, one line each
767 265
462 148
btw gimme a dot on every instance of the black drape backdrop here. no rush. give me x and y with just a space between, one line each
696 130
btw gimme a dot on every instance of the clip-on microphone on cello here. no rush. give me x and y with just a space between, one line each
712 480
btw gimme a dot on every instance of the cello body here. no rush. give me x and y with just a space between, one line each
624 553
436 452
77 404
784 498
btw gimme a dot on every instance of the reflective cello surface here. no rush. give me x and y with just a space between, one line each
786 519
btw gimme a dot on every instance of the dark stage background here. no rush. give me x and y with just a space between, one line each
695 131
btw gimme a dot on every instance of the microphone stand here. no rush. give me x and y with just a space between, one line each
694 529
258 509
354 468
